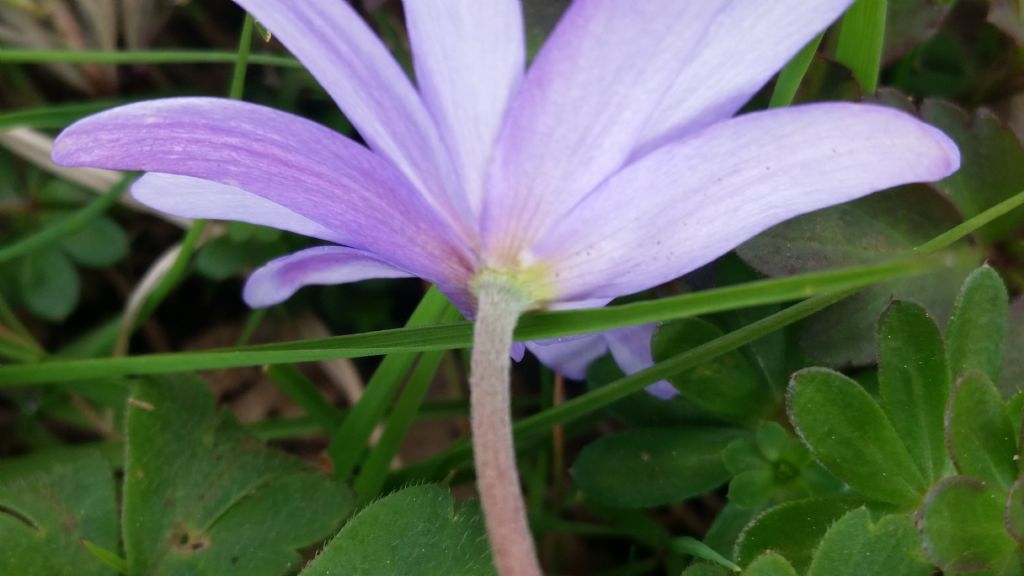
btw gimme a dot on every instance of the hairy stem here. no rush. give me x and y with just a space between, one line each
499 304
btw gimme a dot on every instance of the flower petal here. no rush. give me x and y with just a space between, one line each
749 42
570 356
197 198
358 71
631 348
302 166
276 281
582 107
469 57
691 201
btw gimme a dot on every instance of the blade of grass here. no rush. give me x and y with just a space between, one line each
349 441
793 74
30 56
53 117
536 326
960 231
67 226
304 393
861 40
375 469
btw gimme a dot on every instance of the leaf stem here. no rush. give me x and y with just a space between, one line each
499 305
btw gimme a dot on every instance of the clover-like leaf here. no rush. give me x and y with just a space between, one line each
728 386
201 496
414 531
980 436
50 503
855 545
963 527
792 529
977 329
48 284
653 466
101 243
852 437
914 383
770 564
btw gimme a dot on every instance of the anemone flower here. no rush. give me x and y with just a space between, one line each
612 165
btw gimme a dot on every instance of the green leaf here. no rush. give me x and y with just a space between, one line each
48 284
223 258
414 531
770 564
50 502
1014 514
992 167
1011 374
866 230
728 387
650 467
914 383
850 435
100 243
792 529
855 545
227 503
725 530
861 39
693 547
911 23
979 433
705 569
977 329
962 526
793 74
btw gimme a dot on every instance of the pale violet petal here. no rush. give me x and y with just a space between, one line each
302 166
358 71
276 281
748 43
581 109
197 198
691 201
569 356
631 348
469 57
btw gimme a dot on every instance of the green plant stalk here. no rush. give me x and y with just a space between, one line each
861 41
305 394
10 320
70 225
536 326
30 56
57 116
793 74
960 231
348 443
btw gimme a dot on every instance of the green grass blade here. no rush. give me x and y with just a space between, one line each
458 335
304 393
960 231
74 223
861 40
30 56
348 444
54 117
793 74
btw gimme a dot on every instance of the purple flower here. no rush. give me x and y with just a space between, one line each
613 165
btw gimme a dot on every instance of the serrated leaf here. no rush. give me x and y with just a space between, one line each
101 243
860 232
962 526
414 531
725 530
992 167
851 436
974 337
792 529
855 545
48 284
979 433
729 387
914 383
226 503
770 564
50 502
653 466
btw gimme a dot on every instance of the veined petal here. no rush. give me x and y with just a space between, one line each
197 198
581 109
691 201
358 71
469 57
280 278
302 166
570 356
748 43
631 348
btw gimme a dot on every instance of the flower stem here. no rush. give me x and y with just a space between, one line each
499 304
